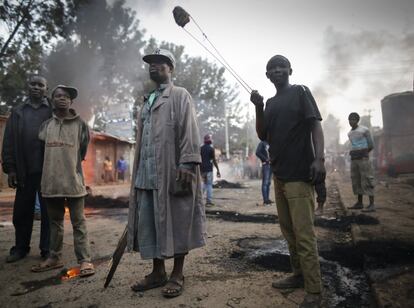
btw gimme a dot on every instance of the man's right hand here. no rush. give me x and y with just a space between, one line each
12 180
256 98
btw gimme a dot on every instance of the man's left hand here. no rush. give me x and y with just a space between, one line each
185 175
318 171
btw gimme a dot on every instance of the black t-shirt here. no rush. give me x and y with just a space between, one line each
207 155
288 121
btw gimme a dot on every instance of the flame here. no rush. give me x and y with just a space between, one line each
71 273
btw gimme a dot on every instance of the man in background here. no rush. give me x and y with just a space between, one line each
361 172
208 159
121 167
262 152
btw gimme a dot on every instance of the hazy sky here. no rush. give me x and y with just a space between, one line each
350 53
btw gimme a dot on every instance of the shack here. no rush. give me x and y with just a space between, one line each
100 146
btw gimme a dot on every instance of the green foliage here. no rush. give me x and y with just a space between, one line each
29 27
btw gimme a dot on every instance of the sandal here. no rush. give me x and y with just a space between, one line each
170 292
149 282
86 269
47 265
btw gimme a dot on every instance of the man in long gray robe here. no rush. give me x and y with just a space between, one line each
166 212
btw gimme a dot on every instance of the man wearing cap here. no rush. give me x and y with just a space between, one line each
290 123
66 138
166 214
22 160
208 159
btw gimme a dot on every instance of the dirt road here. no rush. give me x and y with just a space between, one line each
245 252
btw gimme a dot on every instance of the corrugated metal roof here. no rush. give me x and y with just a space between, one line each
105 136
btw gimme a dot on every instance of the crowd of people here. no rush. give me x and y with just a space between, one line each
46 140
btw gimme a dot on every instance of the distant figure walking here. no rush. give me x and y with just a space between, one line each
208 159
262 152
361 171
121 167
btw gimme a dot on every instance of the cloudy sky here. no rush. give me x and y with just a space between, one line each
350 53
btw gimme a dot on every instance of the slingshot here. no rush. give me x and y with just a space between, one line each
182 18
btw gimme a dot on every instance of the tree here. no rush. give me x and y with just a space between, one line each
32 20
28 29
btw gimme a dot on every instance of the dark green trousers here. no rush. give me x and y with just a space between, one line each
295 207
56 211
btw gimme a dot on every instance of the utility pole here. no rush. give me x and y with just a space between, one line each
226 127
247 135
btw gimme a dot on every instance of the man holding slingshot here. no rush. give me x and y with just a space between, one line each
290 123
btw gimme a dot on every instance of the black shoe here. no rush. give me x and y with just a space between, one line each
15 256
356 206
290 282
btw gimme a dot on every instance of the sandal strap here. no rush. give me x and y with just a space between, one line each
149 277
176 282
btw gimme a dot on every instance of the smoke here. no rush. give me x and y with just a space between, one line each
146 6
361 68
102 58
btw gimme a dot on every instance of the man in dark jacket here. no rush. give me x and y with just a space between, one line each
208 159
22 160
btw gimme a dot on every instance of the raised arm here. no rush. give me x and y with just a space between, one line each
257 100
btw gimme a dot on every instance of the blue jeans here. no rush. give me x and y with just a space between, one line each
37 204
266 178
208 185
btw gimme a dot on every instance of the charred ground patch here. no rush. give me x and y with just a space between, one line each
234 216
345 282
343 223
105 202
227 184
